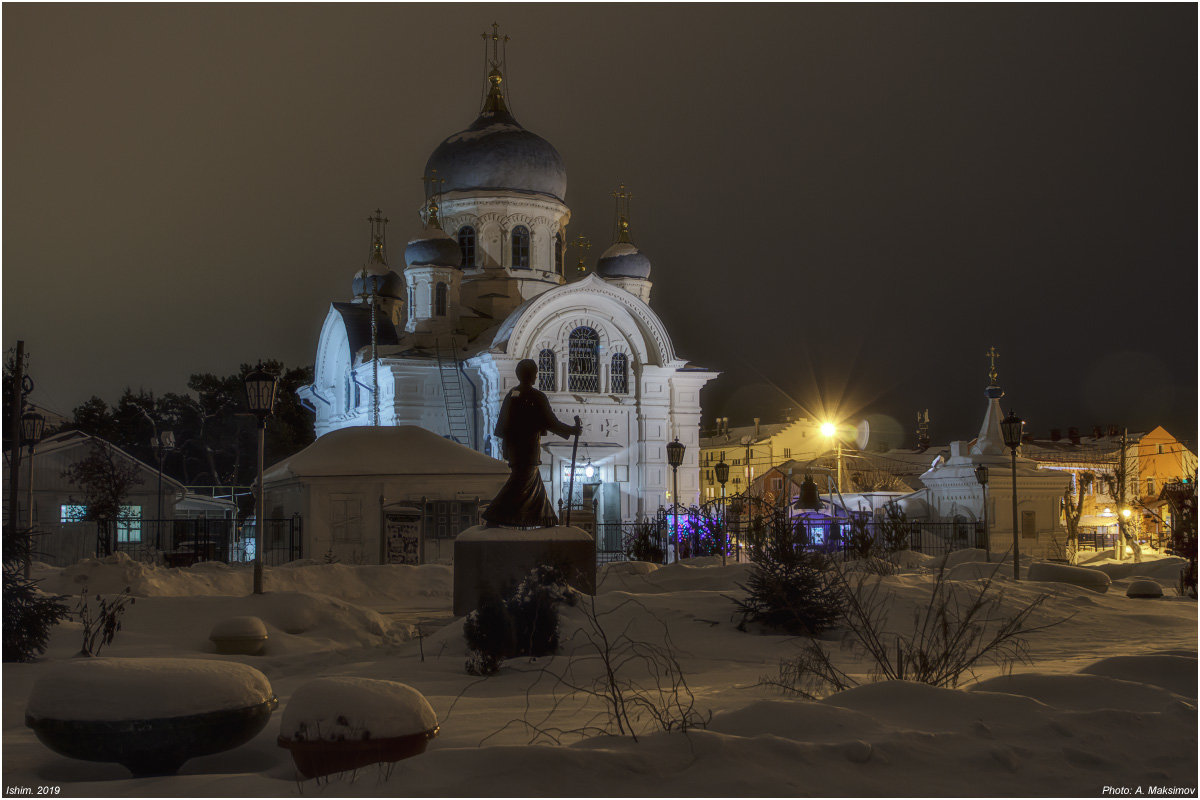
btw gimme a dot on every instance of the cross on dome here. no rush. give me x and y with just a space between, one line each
494 102
992 355
622 197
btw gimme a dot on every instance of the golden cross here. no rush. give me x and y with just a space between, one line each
992 355
584 244
496 39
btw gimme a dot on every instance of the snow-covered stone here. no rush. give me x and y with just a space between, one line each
1144 588
351 709
115 689
239 636
1088 578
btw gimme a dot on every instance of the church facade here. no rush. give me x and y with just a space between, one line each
483 287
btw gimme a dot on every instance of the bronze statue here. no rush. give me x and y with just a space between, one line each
524 417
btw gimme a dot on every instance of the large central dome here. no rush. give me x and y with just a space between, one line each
497 153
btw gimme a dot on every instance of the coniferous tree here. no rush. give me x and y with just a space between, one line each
29 613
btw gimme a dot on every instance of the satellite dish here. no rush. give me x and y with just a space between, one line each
863 434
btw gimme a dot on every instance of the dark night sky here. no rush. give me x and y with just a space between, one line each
852 202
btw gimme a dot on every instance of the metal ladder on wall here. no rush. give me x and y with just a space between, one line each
452 391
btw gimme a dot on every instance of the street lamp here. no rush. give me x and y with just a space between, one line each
722 472
675 458
261 387
163 443
32 426
981 475
1011 428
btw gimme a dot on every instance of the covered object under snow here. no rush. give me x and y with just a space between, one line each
372 495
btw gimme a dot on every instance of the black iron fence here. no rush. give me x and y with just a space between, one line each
171 542
697 533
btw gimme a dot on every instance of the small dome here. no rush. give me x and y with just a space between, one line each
387 284
623 260
495 152
434 248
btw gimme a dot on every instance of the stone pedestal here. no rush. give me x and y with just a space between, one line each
491 561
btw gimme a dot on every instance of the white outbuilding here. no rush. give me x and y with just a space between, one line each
354 485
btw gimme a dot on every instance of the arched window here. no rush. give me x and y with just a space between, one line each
583 363
520 247
558 253
619 374
547 380
466 243
439 300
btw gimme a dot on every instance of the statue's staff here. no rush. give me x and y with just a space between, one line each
571 483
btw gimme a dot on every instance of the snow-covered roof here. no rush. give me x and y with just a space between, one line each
403 450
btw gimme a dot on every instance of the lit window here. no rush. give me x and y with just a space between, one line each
520 247
583 362
546 371
440 300
129 524
72 513
620 374
466 243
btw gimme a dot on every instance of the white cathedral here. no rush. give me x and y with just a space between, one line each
484 287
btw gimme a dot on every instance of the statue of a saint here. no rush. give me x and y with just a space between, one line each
524 417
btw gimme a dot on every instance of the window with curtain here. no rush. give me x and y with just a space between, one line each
619 374
583 363
520 247
547 380
466 243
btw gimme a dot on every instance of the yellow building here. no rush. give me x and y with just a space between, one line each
751 450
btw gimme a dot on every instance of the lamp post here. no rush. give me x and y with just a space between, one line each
722 473
163 443
675 458
261 387
32 425
981 475
830 430
1011 428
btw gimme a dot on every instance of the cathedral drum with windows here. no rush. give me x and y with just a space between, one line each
484 287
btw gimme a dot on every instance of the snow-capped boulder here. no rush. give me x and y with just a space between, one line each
1144 588
239 636
1092 579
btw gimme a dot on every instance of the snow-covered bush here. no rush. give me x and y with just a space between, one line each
645 543
787 588
524 623
960 627
100 626
29 613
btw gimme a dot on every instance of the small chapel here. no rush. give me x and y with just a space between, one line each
434 342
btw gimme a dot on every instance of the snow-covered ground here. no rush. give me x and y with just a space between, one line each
1108 700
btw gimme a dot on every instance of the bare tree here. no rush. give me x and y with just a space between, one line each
1073 499
105 478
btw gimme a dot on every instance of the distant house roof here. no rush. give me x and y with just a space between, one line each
78 439
365 450
739 435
